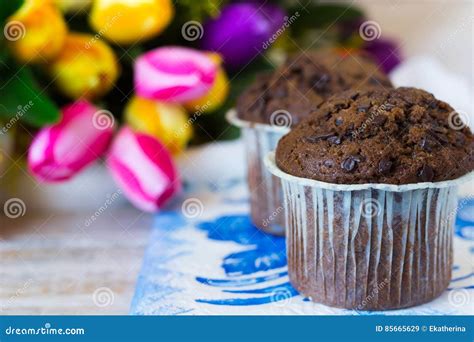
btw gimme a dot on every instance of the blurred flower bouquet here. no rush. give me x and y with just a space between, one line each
136 82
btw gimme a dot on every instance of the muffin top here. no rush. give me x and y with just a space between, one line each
394 136
304 81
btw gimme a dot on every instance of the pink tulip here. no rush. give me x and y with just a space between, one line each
174 74
143 169
60 151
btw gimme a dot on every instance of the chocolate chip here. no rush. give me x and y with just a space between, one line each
327 116
355 95
385 165
349 164
441 137
426 144
358 158
338 121
363 108
320 136
296 69
379 120
439 129
350 134
425 173
335 140
388 106
341 106
328 163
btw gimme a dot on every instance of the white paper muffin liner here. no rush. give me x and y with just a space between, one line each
266 199
368 246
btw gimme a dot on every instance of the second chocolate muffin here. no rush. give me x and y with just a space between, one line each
304 81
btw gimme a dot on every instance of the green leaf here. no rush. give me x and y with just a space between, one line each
324 15
21 99
199 10
320 20
8 7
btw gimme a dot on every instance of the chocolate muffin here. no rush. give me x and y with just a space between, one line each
305 81
370 185
394 136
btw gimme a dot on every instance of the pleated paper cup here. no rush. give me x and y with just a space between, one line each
368 246
266 198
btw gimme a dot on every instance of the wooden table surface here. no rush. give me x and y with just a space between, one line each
58 264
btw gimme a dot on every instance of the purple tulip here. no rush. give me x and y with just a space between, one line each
241 31
385 52
143 169
60 151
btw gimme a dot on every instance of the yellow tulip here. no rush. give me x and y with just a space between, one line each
168 122
36 31
216 96
130 21
86 67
